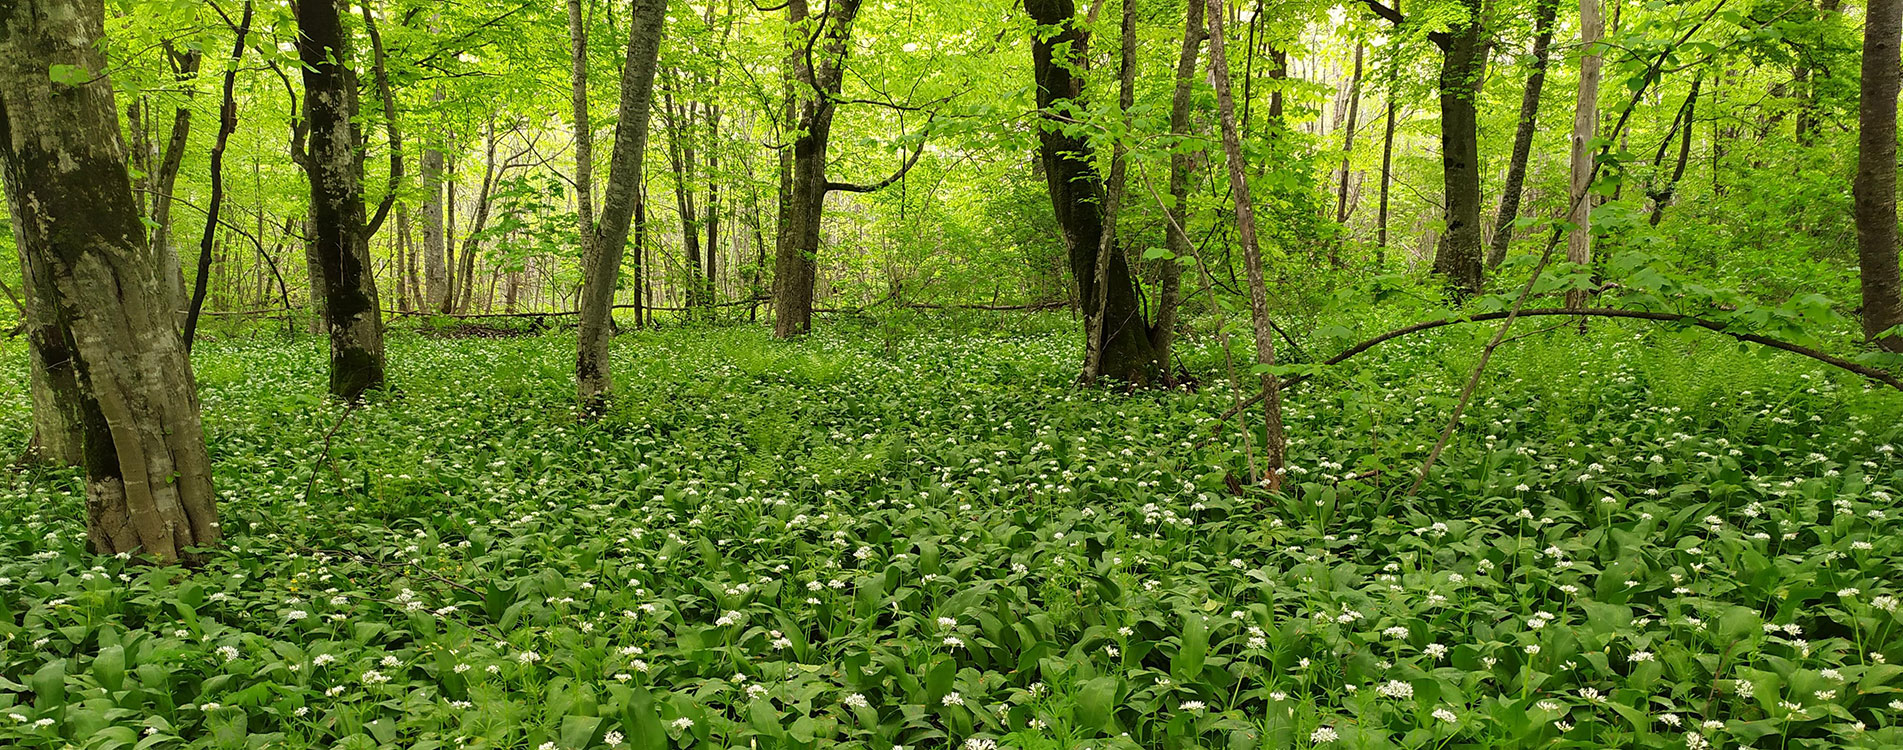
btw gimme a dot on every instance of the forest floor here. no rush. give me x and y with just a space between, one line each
1636 540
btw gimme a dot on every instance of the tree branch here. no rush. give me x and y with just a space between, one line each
389 123
847 187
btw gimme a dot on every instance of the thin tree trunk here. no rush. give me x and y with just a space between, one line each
1875 186
227 123
584 130
1510 196
185 66
1585 122
1665 196
472 241
1176 235
1274 442
1387 175
1107 246
435 246
601 266
79 233
1348 143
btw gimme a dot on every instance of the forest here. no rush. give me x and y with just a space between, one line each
976 374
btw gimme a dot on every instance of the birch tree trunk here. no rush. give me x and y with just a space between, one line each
81 242
1275 443
1592 26
601 265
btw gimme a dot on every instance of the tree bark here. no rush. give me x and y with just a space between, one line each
1875 186
1274 442
472 241
185 66
1176 235
78 230
1077 198
338 238
435 246
1585 124
1463 57
1387 174
227 124
819 72
1665 196
1108 248
1510 193
1348 143
601 266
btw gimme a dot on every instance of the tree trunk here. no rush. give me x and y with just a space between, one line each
1585 122
1274 442
1665 196
184 69
472 241
818 83
227 122
1077 198
1523 136
681 156
584 130
1176 235
1387 176
58 431
1463 58
601 266
79 233
1875 186
338 237
1108 248
435 246
1348 143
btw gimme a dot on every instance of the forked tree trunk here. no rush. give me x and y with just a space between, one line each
796 259
1544 13
1176 235
601 266
1585 124
78 229
338 237
1077 198
1108 248
1275 444
1875 186
1348 142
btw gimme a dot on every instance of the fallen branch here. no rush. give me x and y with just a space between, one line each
1867 371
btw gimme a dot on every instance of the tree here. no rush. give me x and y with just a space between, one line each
1275 444
1875 185
818 74
1585 124
340 235
1176 235
1544 13
1076 191
601 264
1463 49
81 240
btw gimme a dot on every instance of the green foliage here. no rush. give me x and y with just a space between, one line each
1640 533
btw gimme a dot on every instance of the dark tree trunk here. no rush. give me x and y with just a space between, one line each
227 123
1665 195
338 237
1348 143
185 66
1387 177
817 81
601 266
1077 197
78 230
1523 135
1463 58
1875 186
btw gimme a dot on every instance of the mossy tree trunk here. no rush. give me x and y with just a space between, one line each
84 248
